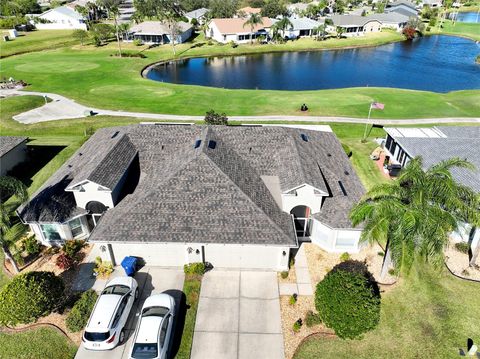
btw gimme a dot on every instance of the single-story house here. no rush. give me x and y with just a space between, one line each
297 9
155 32
403 7
248 11
391 20
233 196
300 27
435 145
59 18
226 30
199 15
355 25
431 3
13 151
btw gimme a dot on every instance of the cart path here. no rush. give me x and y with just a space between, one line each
61 108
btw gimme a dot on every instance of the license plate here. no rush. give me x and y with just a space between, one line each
96 345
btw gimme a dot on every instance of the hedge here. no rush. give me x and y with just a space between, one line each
78 316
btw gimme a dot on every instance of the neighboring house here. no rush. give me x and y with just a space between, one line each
405 8
248 11
234 196
13 151
226 30
200 15
155 32
300 27
391 20
435 145
431 3
355 25
59 18
296 10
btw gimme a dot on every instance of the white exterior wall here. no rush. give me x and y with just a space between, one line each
305 196
216 35
462 234
335 240
13 158
60 22
219 255
92 193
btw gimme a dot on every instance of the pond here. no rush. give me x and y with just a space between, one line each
432 63
473 17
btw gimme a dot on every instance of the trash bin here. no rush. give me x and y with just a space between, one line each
129 264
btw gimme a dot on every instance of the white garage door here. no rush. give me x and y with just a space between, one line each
154 254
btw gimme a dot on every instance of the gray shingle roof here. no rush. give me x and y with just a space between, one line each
196 14
351 20
8 143
462 142
392 17
217 195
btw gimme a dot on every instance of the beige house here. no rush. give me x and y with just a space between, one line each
237 30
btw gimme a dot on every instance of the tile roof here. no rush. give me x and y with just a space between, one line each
238 26
188 194
8 143
462 142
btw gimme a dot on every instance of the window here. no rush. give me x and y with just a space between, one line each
76 227
145 350
50 232
120 310
163 331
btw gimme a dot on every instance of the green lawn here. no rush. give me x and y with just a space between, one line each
36 41
35 344
469 30
93 77
429 315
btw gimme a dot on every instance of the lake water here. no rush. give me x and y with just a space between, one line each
468 17
433 63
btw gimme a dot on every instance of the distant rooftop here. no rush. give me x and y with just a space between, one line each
8 143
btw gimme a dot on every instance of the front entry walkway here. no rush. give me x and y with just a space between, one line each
238 317
303 286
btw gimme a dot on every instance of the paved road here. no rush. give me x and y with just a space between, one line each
238 317
64 108
151 280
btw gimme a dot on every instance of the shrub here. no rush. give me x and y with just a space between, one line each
347 150
233 44
64 261
18 258
348 300
462 247
29 296
32 246
138 42
194 268
312 319
391 271
130 54
381 254
80 35
291 262
344 257
297 325
78 316
213 118
72 247
102 269
284 274
293 299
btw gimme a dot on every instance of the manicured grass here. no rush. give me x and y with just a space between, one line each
36 41
191 288
93 77
429 315
469 30
34 344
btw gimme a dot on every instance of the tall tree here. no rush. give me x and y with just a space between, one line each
9 186
253 21
112 7
414 215
223 8
283 24
274 8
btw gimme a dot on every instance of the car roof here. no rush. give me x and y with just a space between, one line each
103 313
159 300
148 330
128 281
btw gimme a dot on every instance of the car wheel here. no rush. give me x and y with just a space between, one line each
122 337
136 293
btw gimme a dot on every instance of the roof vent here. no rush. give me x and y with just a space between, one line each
80 154
163 147
329 155
70 166
115 134
197 143
346 173
212 144
250 150
304 137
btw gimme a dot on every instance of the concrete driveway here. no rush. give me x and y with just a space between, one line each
238 316
151 280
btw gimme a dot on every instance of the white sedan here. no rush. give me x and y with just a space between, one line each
104 329
154 328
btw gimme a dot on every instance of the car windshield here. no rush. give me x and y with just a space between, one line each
96 337
154 312
145 350
116 289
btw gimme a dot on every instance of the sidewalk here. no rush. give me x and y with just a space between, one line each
303 286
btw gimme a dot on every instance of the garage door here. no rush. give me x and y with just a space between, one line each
154 254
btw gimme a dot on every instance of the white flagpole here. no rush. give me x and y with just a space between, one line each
364 139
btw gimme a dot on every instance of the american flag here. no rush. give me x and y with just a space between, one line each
377 106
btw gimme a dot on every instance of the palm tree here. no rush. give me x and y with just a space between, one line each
414 215
320 31
112 7
9 186
283 24
340 30
253 21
